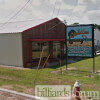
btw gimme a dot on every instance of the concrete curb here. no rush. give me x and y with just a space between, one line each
21 94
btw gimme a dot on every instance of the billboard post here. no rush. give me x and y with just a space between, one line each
66 43
93 50
93 64
80 41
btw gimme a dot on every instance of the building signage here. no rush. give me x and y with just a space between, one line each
80 40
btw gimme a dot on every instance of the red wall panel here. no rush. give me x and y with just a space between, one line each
53 29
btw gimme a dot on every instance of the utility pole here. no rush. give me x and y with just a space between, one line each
65 22
66 42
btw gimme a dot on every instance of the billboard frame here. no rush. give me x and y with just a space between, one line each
66 26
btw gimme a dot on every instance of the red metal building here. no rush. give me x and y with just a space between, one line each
21 42
50 35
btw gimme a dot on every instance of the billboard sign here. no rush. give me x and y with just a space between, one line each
80 40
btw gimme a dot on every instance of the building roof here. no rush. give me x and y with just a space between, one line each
20 26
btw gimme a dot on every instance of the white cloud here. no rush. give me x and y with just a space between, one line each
66 6
79 9
94 16
82 11
86 1
54 1
36 2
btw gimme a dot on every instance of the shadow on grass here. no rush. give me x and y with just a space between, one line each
77 59
80 71
57 66
77 71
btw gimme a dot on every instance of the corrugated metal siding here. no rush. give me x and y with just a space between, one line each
42 32
11 49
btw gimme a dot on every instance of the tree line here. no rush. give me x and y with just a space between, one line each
96 26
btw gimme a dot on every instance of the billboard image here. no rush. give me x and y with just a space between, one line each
79 40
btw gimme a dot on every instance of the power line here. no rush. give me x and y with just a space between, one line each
59 8
29 20
54 26
73 9
54 8
62 21
12 12
16 13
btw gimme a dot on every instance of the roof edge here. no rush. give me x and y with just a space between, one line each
11 33
42 23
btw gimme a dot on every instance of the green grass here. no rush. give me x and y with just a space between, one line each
24 79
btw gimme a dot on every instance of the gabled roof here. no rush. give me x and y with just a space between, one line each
16 27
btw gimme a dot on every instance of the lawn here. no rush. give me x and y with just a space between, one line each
23 80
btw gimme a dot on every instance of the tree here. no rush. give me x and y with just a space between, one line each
76 23
97 26
71 34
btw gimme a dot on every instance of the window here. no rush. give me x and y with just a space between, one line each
36 49
46 50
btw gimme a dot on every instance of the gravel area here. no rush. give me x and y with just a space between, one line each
9 96
13 95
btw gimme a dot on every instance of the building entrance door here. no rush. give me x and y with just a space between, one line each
56 49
